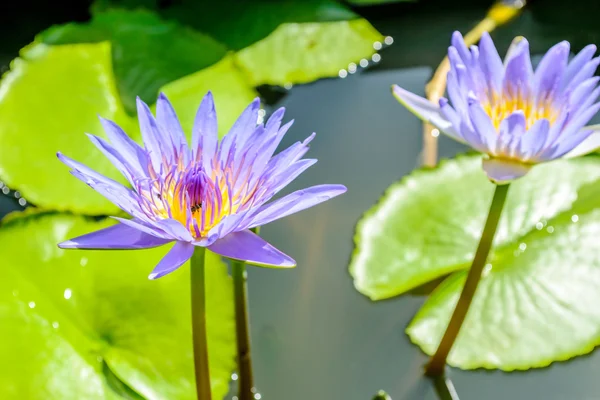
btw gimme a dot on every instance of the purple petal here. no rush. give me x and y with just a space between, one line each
582 93
285 177
577 63
511 130
168 122
129 149
503 171
452 117
550 70
115 158
425 110
115 192
483 126
116 237
461 48
251 248
145 227
518 71
151 135
586 72
89 173
491 63
588 145
294 202
205 135
240 131
534 141
175 258
579 121
175 229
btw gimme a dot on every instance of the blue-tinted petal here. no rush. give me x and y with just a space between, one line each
179 254
589 145
586 72
491 63
518 71
240 131
116 237
550 70
510 132
151 135
424 109
577 63
205 134
292 203
534 141
251 248
483 126
167 120
123 165
129 149
462 51
504 171
145 227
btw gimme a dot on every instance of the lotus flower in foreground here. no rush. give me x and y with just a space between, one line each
209 195
517 116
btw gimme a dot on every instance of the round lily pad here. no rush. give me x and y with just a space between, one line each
304 52
90 325
535 302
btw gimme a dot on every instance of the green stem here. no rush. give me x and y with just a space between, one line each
438 361
199 324
444 388
246 382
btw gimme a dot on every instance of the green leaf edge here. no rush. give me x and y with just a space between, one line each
486 366
371 211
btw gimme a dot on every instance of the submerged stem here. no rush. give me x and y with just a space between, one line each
246 380
198 286
438 361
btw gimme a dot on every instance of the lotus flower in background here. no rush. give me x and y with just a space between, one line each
210 194
517 116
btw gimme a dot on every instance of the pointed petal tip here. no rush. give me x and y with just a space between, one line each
67 244
457 36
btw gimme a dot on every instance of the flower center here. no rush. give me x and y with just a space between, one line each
190 196
501 106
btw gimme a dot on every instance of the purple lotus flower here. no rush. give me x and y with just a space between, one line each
516 116
209 195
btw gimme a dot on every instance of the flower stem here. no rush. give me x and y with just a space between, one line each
246 381
199 324
438 361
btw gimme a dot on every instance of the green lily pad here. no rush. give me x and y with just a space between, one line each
535 303
54 94
429 224
147 52
301 53
231 92
90 325
51 96
252 20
